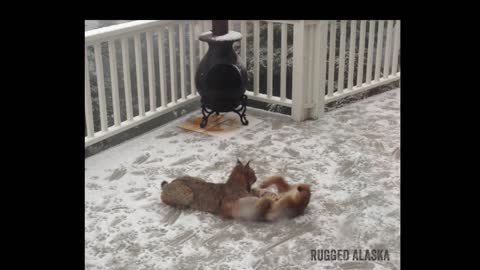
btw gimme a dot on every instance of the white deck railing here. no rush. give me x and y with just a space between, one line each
123 33
316 78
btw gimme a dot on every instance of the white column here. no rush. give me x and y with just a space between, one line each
298 86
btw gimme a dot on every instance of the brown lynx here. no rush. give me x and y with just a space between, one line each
229 200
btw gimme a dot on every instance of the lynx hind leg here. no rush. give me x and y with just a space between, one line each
278 181
251 208
177 194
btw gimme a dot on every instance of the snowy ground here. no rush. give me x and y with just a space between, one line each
351 157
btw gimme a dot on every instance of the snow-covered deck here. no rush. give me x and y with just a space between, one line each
351 157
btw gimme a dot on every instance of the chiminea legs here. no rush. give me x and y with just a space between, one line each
206 113
240 111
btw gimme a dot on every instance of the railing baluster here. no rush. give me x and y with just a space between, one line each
269 59
341 69
283 63
88 99
351 50
114 78
139 68
101 87
388 50
199 25
396 47
256 62
161 61
126 79
200 43
192 59
204 45
182 60
207 24
173 67
378 58
361 53
371 33
243 42
151 73
331 57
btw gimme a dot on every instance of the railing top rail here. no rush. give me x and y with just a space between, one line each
282 21
105 33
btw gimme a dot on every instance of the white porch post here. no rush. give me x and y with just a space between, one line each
321 34
299 111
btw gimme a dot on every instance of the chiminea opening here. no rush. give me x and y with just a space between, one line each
223 76
220 78
221 81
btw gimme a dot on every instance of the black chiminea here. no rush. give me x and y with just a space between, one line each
221 79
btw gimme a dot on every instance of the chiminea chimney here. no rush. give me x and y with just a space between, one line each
219 27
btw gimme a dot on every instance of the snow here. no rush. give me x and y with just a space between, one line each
230 36
349 156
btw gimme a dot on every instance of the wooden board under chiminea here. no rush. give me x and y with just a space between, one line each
225 124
